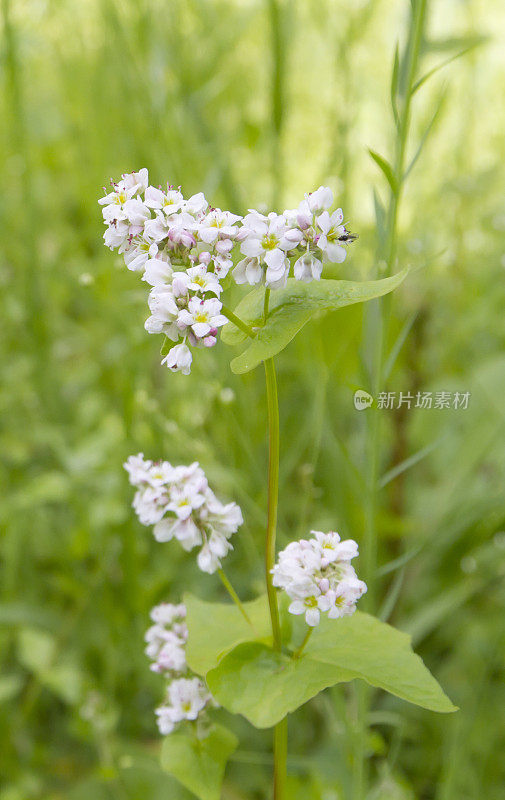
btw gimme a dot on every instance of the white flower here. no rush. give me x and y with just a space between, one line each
184 499
341 601
171 656
139 253
202 316
179 359
307 268
186 531
187 696
136 181
217 224
170 202
318 577
222 264
268 239
159 474
321 199
167 613
181 229
136 212
114 202
166 639
196 204
248 270
333 549
309 606
116 235
181 506
138 469
331 231
202 281
150 505
207 560
158 271
164 312
156 229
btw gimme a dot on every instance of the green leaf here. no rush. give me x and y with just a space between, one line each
292 307
387 169
463 43
395 83
216 628
380 216
424 137
199 764
264 686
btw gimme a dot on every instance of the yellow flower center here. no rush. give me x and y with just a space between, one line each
269 241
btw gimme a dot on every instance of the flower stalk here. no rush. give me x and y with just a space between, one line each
299 651
234 596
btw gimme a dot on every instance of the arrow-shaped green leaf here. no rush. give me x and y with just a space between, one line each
291 308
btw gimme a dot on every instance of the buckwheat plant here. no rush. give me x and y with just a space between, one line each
264 658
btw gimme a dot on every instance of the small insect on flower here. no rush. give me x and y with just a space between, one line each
317 575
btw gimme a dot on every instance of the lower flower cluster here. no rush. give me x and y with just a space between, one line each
187 697
318 577
180 504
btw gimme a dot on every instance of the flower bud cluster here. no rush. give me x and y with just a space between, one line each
184 248
317 575
180 504
186 695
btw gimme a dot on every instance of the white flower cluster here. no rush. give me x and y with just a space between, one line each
317 575
180 504
308 234
184 248
187 696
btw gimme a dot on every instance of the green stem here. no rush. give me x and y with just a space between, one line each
266 301
234 596
278 23
280 758
373 449
281 729
273 490
238 322
300 650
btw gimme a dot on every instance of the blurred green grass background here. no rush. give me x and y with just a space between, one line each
255 102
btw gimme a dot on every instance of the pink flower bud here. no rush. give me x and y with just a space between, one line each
224 246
